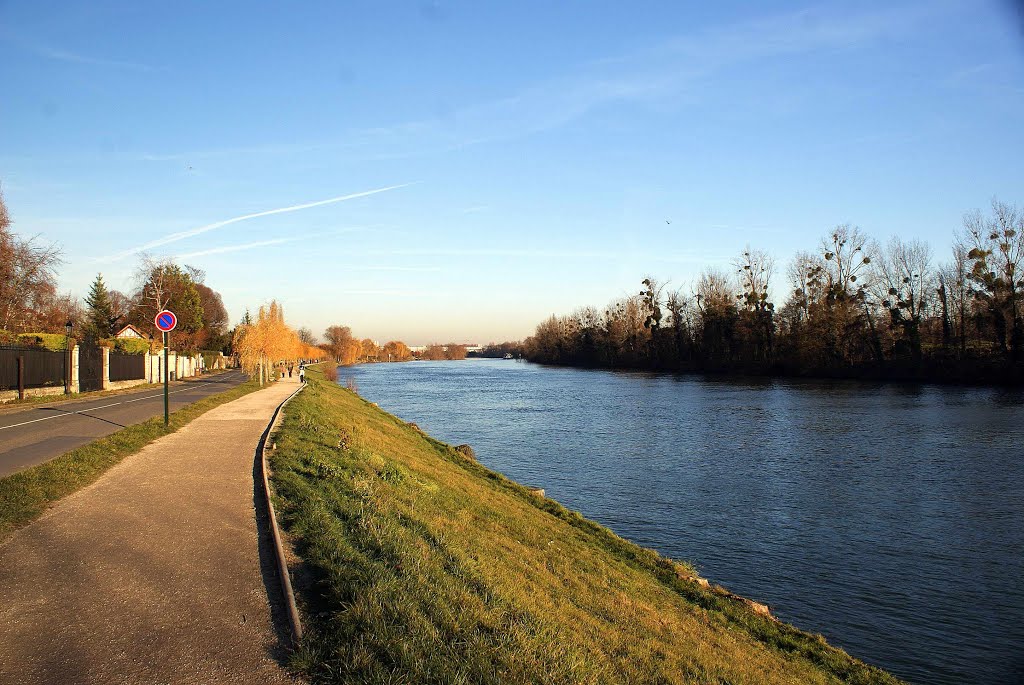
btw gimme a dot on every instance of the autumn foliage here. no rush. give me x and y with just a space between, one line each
346 349
268 341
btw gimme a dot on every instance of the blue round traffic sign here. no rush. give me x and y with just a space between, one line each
166 321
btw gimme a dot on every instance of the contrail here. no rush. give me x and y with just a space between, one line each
181 235
264 243
236 248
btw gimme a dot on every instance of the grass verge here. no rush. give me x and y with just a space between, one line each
420 565
25 495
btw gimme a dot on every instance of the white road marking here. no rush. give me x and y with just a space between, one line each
83 412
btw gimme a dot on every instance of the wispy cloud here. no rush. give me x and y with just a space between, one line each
182 235
680 67
75 58
71 57
969 73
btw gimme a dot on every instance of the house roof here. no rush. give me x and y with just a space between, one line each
138 333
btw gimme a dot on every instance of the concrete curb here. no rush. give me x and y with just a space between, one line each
282 565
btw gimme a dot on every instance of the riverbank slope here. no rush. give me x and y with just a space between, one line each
415 563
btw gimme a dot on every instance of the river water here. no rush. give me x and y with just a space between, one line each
889 518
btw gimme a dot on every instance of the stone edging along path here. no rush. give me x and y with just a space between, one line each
294 622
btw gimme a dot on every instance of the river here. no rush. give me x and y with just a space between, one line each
888 518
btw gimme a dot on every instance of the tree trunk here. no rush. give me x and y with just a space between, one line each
946 329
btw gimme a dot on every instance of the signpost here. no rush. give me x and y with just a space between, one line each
166 321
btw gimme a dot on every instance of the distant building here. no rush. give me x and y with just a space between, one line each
130 331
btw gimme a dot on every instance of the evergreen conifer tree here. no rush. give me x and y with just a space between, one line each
101 311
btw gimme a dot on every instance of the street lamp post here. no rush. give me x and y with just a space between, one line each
67 358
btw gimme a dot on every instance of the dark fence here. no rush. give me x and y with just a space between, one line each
42 367
127 367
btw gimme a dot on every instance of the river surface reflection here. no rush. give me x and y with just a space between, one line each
889 518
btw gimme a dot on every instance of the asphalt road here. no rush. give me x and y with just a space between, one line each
45 431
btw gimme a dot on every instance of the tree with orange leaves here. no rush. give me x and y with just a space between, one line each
266 341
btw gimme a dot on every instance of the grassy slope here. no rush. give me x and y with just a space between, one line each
423 566
25 495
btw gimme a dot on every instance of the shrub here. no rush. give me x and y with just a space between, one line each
55 342
127 345
210 358
466 451
330 371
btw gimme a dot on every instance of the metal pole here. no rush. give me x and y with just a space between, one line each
167 414
21 377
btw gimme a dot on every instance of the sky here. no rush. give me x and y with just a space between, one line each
459 171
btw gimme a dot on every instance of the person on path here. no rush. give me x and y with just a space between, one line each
290 367
302 375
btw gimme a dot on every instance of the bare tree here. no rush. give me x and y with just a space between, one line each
995 250
152 276
28 276
754 270
903 284
713 290
955 292
120 305
680 313
805 277
162 284
847 253
716 305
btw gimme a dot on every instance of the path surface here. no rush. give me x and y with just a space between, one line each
41 432
152 574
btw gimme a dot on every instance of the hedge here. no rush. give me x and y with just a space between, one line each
55 342
128 345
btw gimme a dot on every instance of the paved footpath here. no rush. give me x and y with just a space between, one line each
152 574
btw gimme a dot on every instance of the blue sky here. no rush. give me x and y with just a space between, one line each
528 155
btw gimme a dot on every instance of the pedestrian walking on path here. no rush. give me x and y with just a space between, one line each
152 574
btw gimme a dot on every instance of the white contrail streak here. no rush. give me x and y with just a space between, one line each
236 248
181 235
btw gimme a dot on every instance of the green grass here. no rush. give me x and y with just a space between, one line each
25 495
420 565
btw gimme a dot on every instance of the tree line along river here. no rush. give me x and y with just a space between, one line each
889 518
